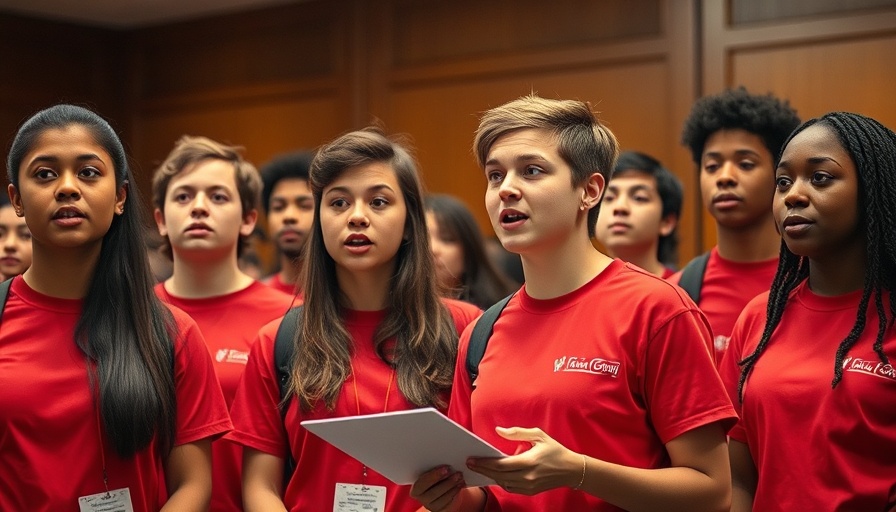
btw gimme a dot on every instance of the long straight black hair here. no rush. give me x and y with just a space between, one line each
124 330
872 147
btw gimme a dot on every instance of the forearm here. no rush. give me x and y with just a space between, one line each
189 497
669 489
741 499
262 500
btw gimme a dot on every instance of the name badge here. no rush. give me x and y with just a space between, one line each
118 500
353 497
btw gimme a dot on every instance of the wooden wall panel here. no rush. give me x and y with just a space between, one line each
264 129
827 76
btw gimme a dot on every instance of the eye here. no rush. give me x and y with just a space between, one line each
278 206
609 197
641 198
494 176
710 167
181 197
821 178
44 173
339 203
220 197
90 172
747 165
533 170
783 183
379 202
25 234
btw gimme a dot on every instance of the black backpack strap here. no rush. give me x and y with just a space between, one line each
692 276
482 331
4 292
283 356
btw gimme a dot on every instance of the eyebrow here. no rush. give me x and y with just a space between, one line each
193 187
373 188
739 152
53 159
529 157
815 160
634 188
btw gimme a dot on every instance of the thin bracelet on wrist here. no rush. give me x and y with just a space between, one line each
584 467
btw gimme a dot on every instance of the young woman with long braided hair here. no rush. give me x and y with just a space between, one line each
809 362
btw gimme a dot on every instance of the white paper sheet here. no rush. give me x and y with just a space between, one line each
403 445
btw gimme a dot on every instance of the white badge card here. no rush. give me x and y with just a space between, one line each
118 500
355 498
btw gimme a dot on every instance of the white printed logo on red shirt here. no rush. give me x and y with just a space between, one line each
592 365
870 367
230 355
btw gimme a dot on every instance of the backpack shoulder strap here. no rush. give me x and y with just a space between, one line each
692 276
4 292
482 331
283 349
283 356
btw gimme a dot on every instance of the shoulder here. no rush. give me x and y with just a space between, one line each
462 312
632 283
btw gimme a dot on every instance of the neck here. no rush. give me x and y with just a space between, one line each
367 291
643 258
563 268
289 270
62 273
757 242
197 279
839 274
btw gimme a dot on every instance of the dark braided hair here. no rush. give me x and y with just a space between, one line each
872 147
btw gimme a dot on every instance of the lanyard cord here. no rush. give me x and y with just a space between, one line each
358 400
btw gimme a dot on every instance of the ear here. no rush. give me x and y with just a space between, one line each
121 197
248 224
592 190
667 224
160 222
16 199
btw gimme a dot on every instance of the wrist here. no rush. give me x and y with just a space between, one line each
578 475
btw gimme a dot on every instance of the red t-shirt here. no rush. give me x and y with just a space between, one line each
816 448
49 431
614 370
319 465
276 283
727 287
229 324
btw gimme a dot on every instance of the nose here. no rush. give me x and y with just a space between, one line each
290 215
508 188
200 205
620 207
358 217
795 197
67 187
726 176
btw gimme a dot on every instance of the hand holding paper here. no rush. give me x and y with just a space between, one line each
403 445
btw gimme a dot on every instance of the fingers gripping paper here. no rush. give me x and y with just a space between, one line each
402 445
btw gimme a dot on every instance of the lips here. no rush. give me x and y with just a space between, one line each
68 212
289 235
795 225
509 216
357 240
795 220
197 226
725 197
